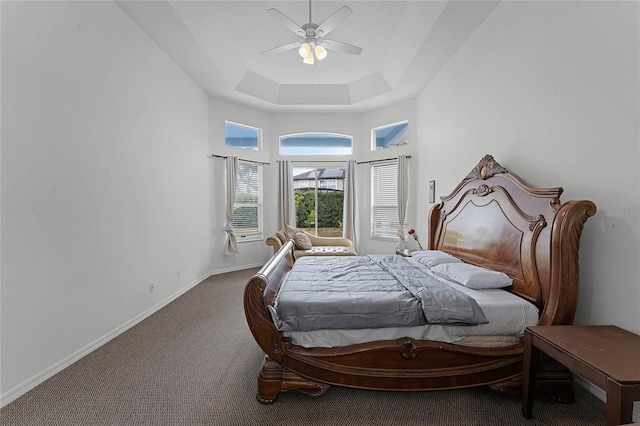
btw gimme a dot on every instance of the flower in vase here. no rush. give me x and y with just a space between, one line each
415 237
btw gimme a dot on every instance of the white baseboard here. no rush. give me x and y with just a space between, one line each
236 268
602 395
24 387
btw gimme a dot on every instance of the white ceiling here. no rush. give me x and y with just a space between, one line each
219 44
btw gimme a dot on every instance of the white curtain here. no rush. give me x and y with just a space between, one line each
403 193
286 202
350 216
231 246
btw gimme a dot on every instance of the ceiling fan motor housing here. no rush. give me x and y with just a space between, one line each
310 30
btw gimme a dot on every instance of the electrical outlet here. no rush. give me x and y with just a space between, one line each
152 287
178 273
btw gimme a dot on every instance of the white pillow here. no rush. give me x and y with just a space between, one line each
472 276
431 258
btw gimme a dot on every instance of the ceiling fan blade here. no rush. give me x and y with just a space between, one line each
342 47
286 21
284 47
333 21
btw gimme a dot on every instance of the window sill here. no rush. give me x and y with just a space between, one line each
389 239
249 239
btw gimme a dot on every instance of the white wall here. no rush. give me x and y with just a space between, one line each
551 90
105 183
252 253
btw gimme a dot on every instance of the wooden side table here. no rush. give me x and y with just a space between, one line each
606 355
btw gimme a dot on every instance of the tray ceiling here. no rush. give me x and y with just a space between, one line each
219 44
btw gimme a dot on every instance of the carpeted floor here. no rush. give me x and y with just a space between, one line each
195 363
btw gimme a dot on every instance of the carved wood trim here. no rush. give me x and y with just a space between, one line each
274 378
566 231
406 373
486 168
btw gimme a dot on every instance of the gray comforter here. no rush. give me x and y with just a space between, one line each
372 291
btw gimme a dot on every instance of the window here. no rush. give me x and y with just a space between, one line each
384 200
241 136
247 207
390 135
329 183
316 144
319 198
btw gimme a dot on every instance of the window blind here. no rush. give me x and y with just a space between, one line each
247 207
384 199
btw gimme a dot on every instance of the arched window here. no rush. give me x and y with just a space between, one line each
316 144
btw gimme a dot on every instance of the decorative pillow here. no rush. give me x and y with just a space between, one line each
472 276
302 241
431 258
289 231
281 236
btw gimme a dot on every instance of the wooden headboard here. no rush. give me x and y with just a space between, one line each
496 220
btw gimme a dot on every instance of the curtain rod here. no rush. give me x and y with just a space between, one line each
376 161
307 161
240 159
318 161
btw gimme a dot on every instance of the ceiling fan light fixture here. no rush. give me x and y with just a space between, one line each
304 50
321 52
311 36
309 58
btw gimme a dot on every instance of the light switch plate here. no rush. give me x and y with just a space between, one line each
432 191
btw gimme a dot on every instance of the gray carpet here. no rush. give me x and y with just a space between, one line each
195 363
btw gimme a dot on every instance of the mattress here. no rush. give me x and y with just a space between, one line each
374 291
506 313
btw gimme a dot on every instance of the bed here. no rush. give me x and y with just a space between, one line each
493 219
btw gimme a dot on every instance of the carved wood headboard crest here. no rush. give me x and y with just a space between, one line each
486 168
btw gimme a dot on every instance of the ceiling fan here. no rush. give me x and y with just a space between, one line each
312 42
